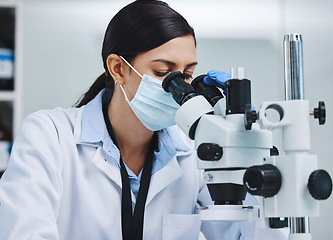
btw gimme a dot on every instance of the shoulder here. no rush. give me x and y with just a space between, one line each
57 120
59 113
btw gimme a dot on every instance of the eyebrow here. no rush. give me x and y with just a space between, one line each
174 64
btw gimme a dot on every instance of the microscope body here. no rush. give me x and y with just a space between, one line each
224 148
235 149
294 198
235 153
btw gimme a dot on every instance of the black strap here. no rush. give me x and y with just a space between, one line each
132 224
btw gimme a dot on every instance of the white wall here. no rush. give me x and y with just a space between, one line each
62 42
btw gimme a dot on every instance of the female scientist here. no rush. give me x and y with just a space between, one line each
115 167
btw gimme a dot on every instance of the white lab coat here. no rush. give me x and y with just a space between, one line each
57 187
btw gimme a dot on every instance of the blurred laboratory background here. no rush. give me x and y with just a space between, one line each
50 55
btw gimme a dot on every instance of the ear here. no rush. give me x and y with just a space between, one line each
115 67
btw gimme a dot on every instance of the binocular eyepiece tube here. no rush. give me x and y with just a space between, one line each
182 91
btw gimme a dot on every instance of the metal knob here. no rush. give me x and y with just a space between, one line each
320 113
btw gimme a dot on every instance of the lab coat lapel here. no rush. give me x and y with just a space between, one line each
107 166
77 126
164 177
103 162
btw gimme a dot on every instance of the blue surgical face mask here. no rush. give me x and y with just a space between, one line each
154 107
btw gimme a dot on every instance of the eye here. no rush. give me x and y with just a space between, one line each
160 74
187 76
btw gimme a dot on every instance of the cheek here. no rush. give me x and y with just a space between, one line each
189 81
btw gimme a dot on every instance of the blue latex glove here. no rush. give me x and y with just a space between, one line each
217 78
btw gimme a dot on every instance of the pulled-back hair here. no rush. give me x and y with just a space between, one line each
139 27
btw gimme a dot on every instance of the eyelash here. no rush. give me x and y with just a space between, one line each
160 74
187 76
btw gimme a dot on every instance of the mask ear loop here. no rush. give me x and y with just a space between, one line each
130 66
122 89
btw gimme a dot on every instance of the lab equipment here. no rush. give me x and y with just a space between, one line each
7 46
6 68
5 145
235 148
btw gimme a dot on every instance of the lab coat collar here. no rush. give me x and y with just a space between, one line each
159 181
87 130
93 128
107 166
164 177
77 126
173 141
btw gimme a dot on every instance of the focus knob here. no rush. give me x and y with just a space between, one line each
264 180
320 184
209 152
250 116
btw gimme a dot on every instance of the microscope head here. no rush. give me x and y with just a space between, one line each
224 148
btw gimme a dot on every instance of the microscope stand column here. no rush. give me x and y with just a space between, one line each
294 89
299 228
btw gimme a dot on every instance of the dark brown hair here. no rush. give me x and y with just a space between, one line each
138 27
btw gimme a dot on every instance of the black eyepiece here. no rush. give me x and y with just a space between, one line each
181 91
211 93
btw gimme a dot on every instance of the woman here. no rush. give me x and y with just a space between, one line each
75 173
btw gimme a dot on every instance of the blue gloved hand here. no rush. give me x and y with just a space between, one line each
217 78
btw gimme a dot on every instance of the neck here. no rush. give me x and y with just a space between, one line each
133 138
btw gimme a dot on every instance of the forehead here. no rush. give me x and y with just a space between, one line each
179 50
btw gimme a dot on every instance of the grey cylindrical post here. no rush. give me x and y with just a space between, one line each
293 66
299 225
294 89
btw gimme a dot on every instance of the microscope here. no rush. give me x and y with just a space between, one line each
234 145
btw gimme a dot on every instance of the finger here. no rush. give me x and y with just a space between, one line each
223 76
213 73
212 82
209 81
